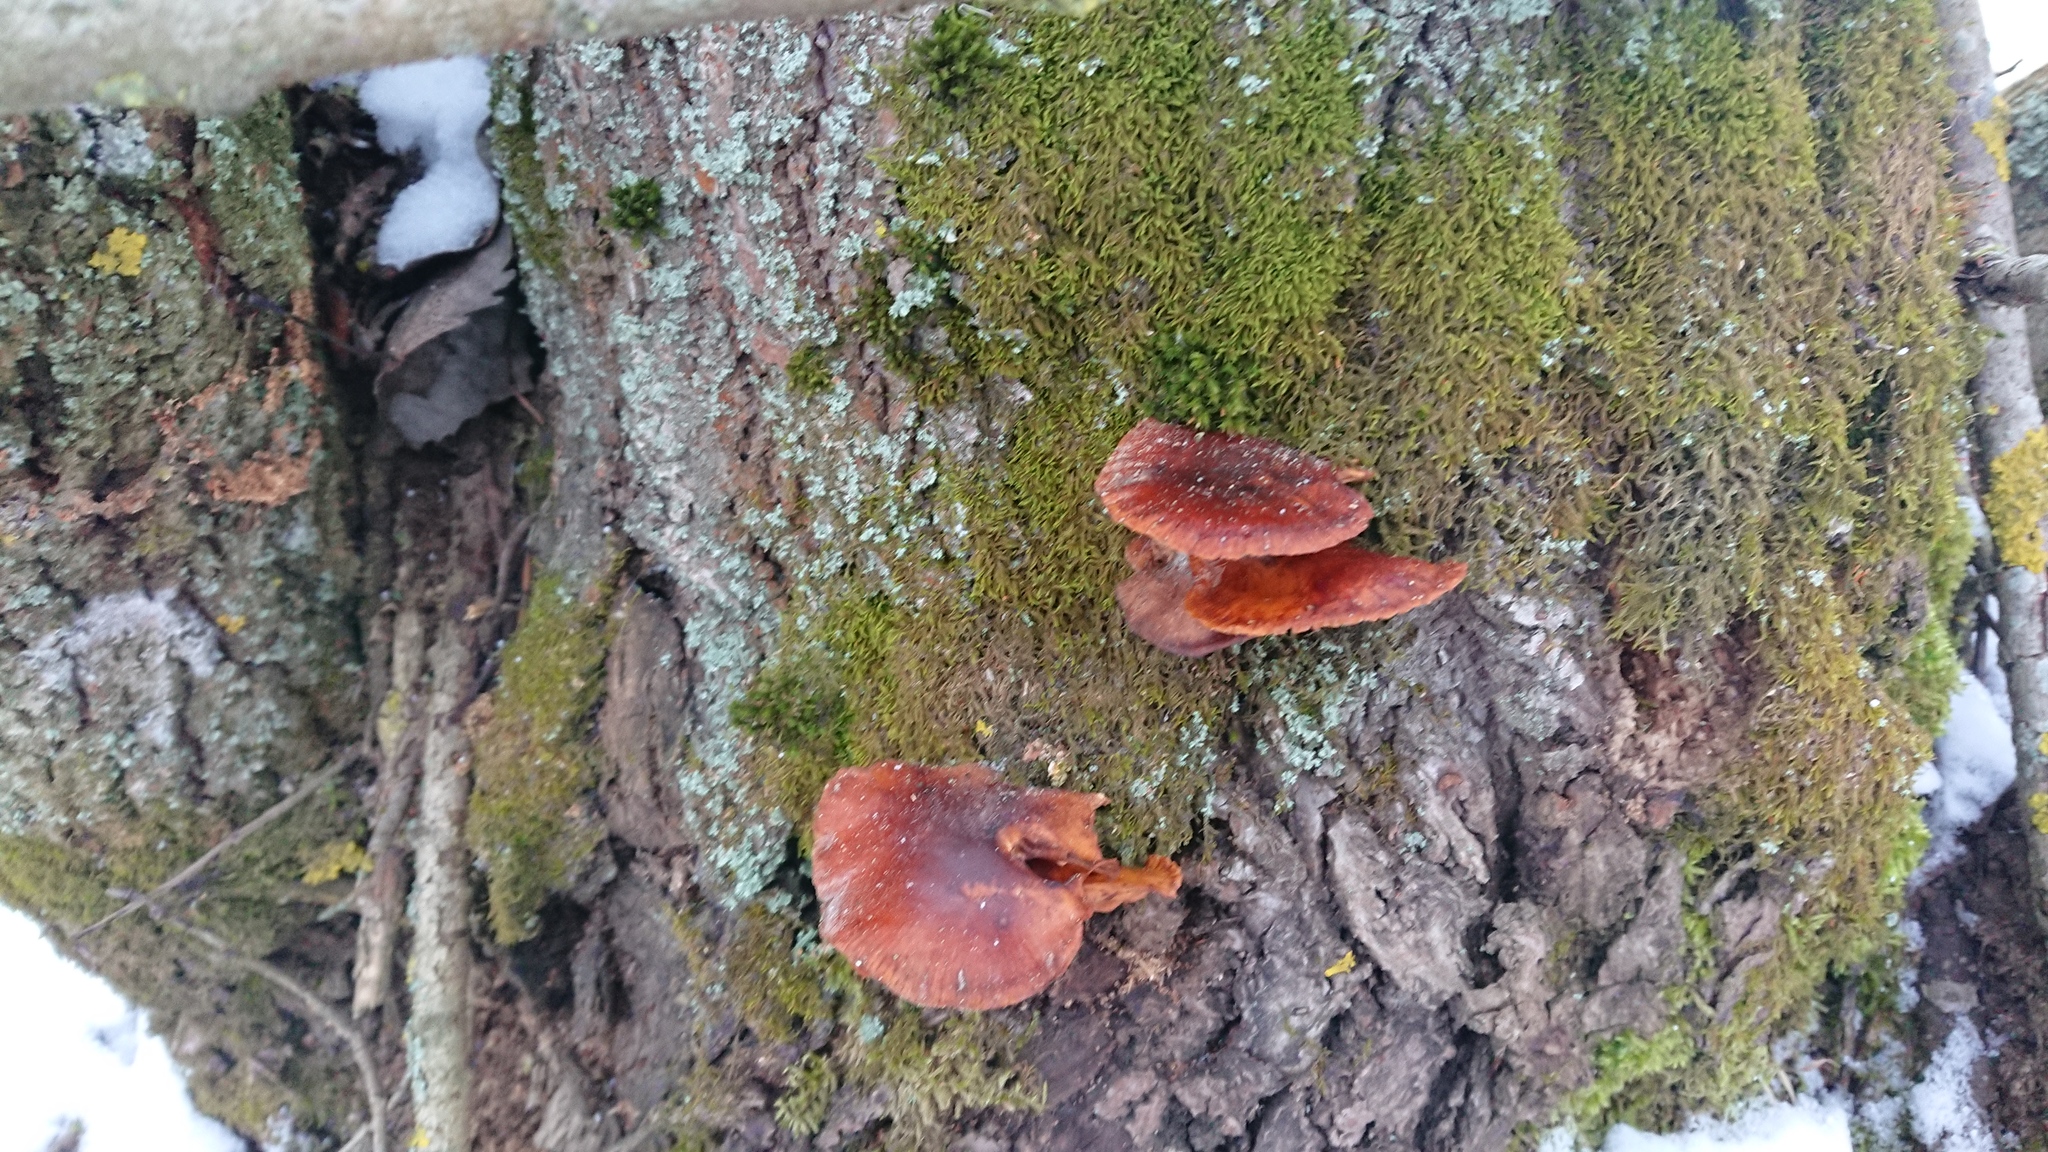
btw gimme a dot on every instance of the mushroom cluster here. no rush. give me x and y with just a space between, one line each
1240 537
957 890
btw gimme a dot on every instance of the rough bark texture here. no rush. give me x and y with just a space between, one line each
2027 156
177 572
2009 415
223 56
1419 940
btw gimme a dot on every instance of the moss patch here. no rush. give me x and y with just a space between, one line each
1690 336
515 148
636 208
2018 501
533 764
935 1066
1778 361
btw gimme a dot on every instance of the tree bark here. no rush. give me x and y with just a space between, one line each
221 56
1447 880
2008 414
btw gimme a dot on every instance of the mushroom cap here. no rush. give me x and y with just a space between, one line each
1269 595
1221 496
957 890
1154 600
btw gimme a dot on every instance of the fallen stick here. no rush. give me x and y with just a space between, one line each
359 1048
189 872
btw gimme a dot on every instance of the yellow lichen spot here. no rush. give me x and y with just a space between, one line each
983 730
231 624
120 254
2041 745
127 89
420 1139
2018 500
1993 130
1348 963
391 722
332 861
2037 804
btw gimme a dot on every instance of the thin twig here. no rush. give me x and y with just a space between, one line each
366 1064
270 816
506 555
631 1140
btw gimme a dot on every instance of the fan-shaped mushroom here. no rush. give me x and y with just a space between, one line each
1269 595
1154 600
957 890
1220 496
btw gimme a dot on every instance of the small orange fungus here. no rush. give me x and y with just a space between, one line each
1221 496
1154 601
955 889
1244 537
1270 595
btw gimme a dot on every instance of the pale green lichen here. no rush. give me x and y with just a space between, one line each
216 630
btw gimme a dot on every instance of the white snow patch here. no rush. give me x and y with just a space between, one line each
1945 1113
2018 32
77 1052
1973 766
1808 1124
435 106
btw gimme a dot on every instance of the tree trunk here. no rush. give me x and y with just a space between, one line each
1646 312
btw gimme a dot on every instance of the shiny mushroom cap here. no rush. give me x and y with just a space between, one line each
957 890
1221 496
1269 595
1154 600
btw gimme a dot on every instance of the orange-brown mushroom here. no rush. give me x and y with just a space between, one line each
1221 496
1154 600
957 890
1269 595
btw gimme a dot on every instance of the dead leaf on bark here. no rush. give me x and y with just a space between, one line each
455 349
448 301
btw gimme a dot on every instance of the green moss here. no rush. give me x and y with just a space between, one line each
52 882
252 898
515 148
1624 1062
536 474
533 764
810 373
1690 337
1788 459
935 1066
955 58
636 208
1201 387
807 1092
1143 212
1454 389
